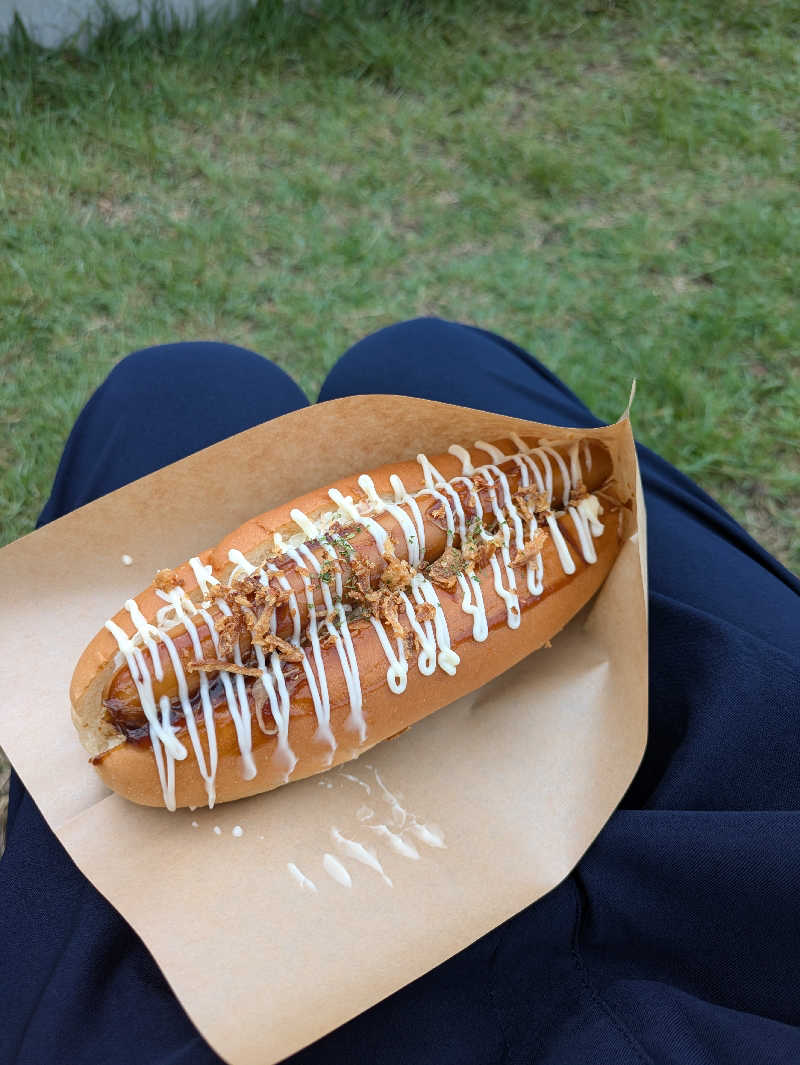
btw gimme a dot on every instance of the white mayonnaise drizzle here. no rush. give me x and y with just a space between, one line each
279 708
342 640
565 478
471 585
241 565
494 453
429 471
396 841
450 529
402 496
346 503
397 672
534 466
356 780
424 591
203 575
319 691
534 570
507 594
574 463
367 485
402 825
239 711
535 586
587 455
463 457
426 662
352 849
304 522
427 834
301 879
564 557
590 507
584 534
144 629
334 868
177 597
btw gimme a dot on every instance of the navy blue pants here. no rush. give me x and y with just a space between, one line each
676 939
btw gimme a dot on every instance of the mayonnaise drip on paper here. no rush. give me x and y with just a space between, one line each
391 826
535 466
334 868
301 879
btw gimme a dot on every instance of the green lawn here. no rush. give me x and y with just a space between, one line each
612 185
615 188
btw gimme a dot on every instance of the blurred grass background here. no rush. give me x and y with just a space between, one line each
611 185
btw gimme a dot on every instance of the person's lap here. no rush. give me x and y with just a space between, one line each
675 921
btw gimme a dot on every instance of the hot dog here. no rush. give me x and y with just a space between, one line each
325 626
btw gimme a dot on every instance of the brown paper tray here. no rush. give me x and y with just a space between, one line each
518 777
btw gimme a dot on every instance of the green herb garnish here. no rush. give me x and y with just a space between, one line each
475 529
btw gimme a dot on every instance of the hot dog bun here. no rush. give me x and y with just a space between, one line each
325 626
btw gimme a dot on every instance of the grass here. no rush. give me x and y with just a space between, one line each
613 188
612 185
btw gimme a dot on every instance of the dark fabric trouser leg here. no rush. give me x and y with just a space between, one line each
76 983
671 942
160 405
677 937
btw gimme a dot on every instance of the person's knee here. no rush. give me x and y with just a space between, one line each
173 368
392 359
402 339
